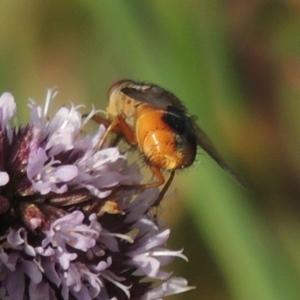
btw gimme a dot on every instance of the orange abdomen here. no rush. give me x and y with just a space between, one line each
162 145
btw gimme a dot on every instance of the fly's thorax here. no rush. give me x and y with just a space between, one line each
120 104
163 140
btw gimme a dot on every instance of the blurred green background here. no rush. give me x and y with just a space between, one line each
236 65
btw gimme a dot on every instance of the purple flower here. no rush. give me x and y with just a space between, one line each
68 230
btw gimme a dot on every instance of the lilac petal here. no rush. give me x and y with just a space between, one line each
91 141
39 291
7 107
43 187
50 271
60 190
166 256
138 207
65 118
74 218
36 162
70 230
82 243
109 241
64 258
18 240
95 283
4 178
158 239
64 288
96 192
174 285
16 285
45 178
109 179
4 258
37 138
153 241
32 271
45 251
83 293
10 260
116 280
73 278
150 266
65 173
102 265
147 265
63 130
37 117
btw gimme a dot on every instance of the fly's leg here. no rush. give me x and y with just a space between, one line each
160 180
164 189
119 125
161 195
100 120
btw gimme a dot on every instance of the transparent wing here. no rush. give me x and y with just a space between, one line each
153 95
206 144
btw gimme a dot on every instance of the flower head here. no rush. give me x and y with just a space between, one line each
67 229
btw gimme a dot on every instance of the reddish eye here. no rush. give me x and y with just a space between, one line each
116 85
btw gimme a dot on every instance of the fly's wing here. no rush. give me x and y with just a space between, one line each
206 144
153 95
